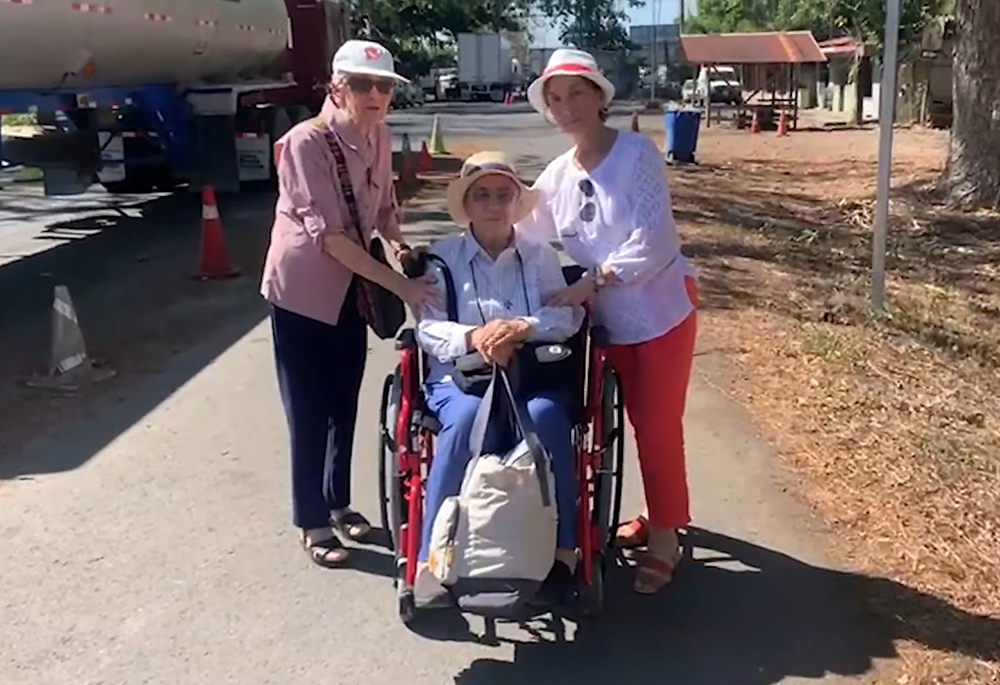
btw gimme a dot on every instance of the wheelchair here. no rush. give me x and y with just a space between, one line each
407 430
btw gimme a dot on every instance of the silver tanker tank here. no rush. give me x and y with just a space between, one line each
59 43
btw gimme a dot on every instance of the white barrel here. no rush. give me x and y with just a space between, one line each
51 43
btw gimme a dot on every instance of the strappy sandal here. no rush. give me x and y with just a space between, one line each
350 524
327 552
634 533
653 572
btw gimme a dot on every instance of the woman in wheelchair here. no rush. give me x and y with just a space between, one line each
500 284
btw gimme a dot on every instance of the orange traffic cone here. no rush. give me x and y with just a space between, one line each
408 169
783 124
214 260
425 158
755 123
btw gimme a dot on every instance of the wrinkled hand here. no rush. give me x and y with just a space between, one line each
581 292
497 340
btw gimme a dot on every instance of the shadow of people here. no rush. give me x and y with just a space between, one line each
738 614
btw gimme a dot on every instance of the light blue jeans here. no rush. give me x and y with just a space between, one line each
549 415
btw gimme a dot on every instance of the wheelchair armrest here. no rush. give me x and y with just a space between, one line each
406 339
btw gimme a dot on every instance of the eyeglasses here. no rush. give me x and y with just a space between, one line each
501 197
589 209
361 85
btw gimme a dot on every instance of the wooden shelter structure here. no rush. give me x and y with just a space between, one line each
769 65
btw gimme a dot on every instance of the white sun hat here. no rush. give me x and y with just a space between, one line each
365 58
483 164
568 62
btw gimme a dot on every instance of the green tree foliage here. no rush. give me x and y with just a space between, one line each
422 33
590 24
863 19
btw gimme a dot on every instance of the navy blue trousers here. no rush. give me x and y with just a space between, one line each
319 374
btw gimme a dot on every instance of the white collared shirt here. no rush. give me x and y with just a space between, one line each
632 231
487 289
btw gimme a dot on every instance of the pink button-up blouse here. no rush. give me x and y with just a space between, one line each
298 275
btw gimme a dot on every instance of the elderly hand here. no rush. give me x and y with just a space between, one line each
499 339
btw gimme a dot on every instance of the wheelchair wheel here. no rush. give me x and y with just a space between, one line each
608 486
390 483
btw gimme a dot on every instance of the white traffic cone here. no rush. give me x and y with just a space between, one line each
70 367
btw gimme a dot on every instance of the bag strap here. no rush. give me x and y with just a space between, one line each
482 421
345 182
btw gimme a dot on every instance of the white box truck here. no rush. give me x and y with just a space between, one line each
484 66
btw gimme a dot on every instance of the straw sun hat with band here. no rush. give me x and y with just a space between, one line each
483 164
568 62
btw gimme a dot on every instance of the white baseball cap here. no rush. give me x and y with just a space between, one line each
568 62
365 58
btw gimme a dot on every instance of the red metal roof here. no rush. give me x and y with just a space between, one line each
841 46
791 47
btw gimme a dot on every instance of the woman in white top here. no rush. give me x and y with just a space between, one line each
607 201
501 285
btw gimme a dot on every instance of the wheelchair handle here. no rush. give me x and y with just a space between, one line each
414 263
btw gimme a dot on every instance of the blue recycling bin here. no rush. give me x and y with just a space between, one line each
682 127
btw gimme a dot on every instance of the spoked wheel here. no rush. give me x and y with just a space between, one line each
607 491
390 482
608 486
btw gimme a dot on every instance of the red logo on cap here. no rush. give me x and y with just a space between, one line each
372 53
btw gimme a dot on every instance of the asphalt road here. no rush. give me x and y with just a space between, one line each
147 537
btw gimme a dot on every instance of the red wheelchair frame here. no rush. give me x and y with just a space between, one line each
407 448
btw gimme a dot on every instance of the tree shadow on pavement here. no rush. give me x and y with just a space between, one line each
141 312
739 614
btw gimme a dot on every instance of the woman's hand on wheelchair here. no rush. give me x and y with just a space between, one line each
419 292
580 293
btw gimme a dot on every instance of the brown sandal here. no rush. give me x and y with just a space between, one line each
634 533
327 552
655 572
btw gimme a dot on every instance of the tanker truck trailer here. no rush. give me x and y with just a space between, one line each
143 95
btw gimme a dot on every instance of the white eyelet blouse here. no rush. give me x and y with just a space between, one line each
632 231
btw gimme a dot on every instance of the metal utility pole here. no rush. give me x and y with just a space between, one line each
886 119
680 20
652 51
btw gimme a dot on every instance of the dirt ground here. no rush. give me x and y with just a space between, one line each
893 422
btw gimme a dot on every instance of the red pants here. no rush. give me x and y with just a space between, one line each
655 377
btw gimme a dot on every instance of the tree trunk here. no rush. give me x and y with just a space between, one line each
974 159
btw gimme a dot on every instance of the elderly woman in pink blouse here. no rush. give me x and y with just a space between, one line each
310 280
608 202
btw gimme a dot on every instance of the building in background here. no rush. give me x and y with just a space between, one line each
657 44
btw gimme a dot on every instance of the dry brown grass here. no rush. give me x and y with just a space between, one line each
894 422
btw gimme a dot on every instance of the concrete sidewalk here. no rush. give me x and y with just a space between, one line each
168 558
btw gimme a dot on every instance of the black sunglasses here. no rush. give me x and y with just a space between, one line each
589 209
363 84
